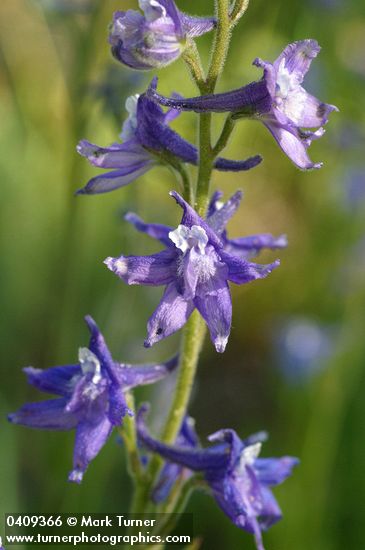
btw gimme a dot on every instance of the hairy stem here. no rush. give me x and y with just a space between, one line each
238 10
221 44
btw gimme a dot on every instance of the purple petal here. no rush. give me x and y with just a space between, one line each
117 178
272 471
248 247
154 133
233 441
215 306
154 230
119 155
196 26
87 399
242 271
173 12
90 438
45 415
270 513
226 165
118 407
140 375
157 269
219 219
250 100
298 57
171 314
294 144
315 113
195 459
97 343
55 380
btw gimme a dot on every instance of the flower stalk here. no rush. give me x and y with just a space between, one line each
195 329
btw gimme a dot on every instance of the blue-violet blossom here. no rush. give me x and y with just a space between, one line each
91 397
278 100
147 141
239 481
156 38
195 267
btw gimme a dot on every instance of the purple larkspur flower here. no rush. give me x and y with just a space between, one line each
278 100
156 38
239 481
91 397
195 267
148 141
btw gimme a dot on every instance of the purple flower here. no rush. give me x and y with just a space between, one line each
239 481
91 397
278 100
195 267
147 141
156 38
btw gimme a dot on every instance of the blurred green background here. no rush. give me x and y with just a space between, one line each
295 360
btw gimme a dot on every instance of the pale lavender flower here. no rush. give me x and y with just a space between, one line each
239 481
278 100
196 269
302 348
91 397
148 141
155 38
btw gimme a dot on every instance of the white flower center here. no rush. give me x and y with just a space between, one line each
89 363
290 96
186 238
249 455
130 124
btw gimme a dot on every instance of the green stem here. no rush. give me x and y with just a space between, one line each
225 135
128 433
192 342
221 44
205 165
192 59
239 9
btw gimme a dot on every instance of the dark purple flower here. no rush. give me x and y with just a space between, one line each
91 397
239 481
156 38
148 141
195 267
278 100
